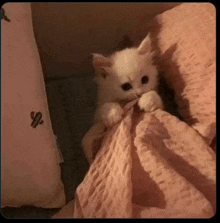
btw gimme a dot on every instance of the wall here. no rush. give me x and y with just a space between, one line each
67 33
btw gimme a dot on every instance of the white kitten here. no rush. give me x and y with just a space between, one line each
122 77
127 75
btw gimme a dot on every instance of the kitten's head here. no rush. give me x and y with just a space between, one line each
127 74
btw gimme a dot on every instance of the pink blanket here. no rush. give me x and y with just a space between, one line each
151 165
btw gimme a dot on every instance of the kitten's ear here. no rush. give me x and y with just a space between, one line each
100 61
145 45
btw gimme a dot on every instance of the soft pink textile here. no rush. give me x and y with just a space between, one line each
30 171
151 165
186 39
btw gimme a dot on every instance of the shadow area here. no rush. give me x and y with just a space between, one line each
171 83
145 191
156 136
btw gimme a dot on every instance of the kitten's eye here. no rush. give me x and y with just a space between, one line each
126 86
144 79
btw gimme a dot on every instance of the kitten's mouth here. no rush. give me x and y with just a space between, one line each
125 101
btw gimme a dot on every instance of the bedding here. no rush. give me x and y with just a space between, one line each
151 165
30 171
154 165
185 41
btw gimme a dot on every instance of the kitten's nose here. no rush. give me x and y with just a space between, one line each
138 93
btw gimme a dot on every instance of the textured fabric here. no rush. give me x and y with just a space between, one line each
30 171
149 166
186 40
158 168
110 184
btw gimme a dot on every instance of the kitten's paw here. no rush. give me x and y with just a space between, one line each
111 114
150 101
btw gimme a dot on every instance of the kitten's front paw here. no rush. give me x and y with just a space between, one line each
150 101
111 114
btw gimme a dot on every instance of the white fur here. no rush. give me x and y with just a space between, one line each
126 66
150 101
110 113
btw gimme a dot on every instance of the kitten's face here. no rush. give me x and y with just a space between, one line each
130 73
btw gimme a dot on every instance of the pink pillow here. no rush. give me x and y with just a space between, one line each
186 41
30 171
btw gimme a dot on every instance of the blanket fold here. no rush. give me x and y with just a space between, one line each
151 165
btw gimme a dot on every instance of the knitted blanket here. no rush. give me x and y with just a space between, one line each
149 165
